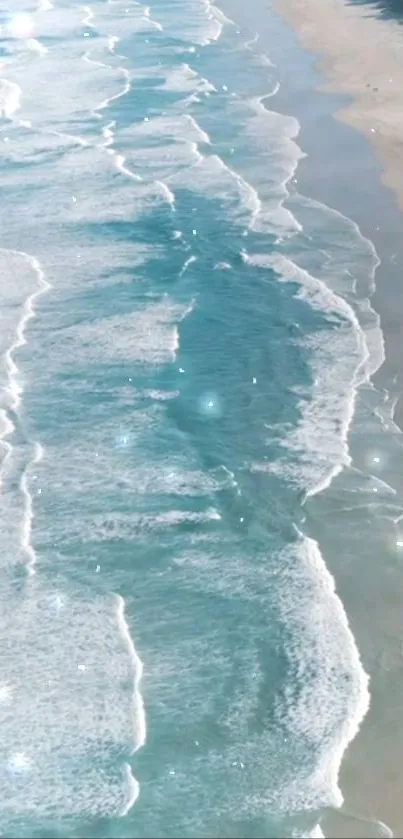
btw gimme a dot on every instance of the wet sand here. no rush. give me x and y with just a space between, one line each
360 54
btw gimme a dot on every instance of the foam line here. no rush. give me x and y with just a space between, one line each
319 572
15 391
150 19
112 42
107 131
89 17
36 46
26 538
139 727
14 387
120 165
139 716
10 98
186 264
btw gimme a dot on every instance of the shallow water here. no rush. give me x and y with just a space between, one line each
186 343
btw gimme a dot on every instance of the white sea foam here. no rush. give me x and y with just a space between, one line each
126 526
292 765
13 262
310 606
36 46
42 103
112 43
162 161
123 18
28 515
99 458
263 215
186 264
76 675
251 42
174 147
148 335
28 312
218 14
75 200
10 98
265 137
199 22
185 80
120 165
148 17
211 177
88 17
139 718
178 127
352 274
108 130
317 449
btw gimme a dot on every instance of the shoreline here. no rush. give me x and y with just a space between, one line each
357 58
341 170
333 30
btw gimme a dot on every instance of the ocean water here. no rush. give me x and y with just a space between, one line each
186 351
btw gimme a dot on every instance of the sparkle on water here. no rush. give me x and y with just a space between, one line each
58 602
19 762
376 459
6 692
122 439
210 405
21 26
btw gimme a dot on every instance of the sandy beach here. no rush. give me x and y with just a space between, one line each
360 54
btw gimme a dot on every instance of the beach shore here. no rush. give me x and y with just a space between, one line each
359 58
360 54
340 67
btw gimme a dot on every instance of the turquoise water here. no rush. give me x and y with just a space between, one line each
184 341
